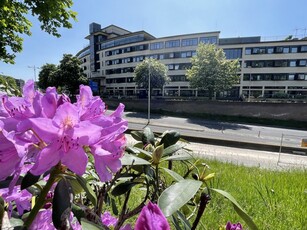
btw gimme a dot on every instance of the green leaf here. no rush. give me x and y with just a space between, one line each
88 189
16 223
122 188
177 195
114 207
241 212
76 187
172 149
78 212
148 136
1 213
87 225
170 138
61 204
184 221
175 175
28 180
128 159
132 150
137 135
180 157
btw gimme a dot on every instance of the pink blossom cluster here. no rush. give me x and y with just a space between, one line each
38 131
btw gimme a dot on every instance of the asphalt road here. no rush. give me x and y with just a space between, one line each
231 131
219 130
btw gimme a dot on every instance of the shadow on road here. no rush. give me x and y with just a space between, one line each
143 115
218 124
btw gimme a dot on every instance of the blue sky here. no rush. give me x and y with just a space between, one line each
267 18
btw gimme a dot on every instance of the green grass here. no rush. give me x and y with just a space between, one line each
274 199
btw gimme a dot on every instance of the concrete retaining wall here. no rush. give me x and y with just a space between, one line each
278 111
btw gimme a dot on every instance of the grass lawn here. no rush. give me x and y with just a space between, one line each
274 199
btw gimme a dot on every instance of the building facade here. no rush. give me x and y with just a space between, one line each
268 69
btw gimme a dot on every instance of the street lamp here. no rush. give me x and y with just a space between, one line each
34 68
249 85
149 73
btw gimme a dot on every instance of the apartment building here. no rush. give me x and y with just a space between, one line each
267 68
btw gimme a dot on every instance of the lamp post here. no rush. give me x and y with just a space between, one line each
249 85
34 68
149 73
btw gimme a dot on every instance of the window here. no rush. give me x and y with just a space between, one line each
189 54
171 67
302 63
233 53
161 56
173 43
270 50
301 76
208 40
248 51
156 45
278 49
183 54
291 77
286 50
303 48
189 42
292 63
293 49
176 66
171 55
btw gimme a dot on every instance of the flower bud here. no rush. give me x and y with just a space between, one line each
157 154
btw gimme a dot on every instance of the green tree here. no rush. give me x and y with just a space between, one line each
153 68
9 86
52 14
47 76
211 70
70 75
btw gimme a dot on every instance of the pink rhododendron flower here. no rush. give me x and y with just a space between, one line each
230 226
43 130
21 198
151 218
108 220
43 220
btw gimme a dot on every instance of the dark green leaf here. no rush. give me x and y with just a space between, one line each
88 189
148 136
172 149
61 204
175 175
1 213
87 225
184 221
28 180
16 223
180 157
177 195
176 223
241 212
1 201
122 188
137 135
132 150
170 138
76 187
128 159
114 207
78 212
